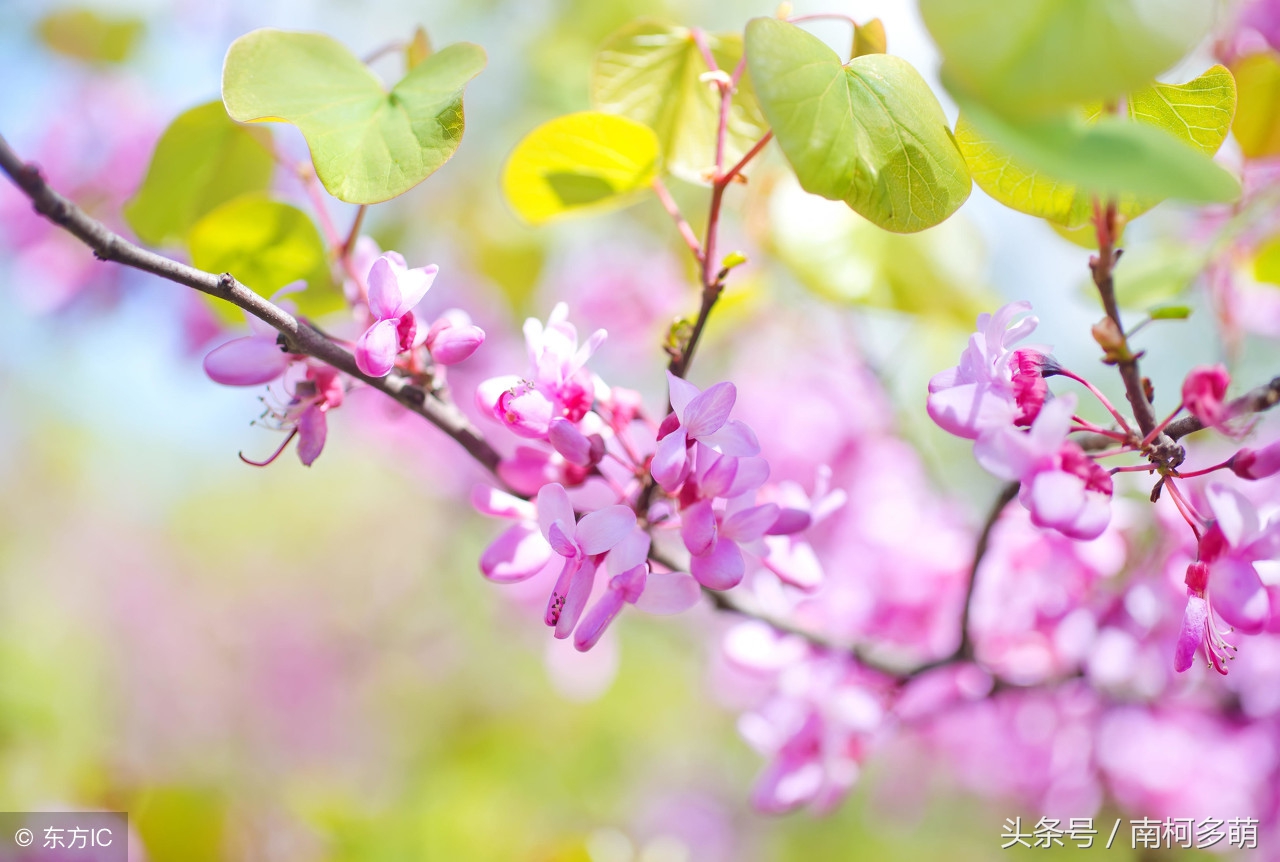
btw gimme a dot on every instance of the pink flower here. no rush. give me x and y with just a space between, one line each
698 417
1257 463
1062 487
583 544
394 290
559 385
1234 542
257 359
712 537
520 552
993 385
1203 392
653 592
1198 627
453 338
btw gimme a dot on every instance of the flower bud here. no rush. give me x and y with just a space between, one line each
1203 392
1257 463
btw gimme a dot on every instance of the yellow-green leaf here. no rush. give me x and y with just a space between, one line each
870 133
579 162
367 144
1257 123
870 38
266 244
87 35
651 72
1197 113
202 160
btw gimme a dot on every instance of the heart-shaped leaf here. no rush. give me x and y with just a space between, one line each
266 244
202 160
651 72
1197 113
1038 55
89 36
367 144
870 133
582 161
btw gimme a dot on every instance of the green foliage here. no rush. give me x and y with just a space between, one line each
1108 157
181 824
1197 113
86 35
202 160
651 72
1037 55
580 162
870 133
265 244
870 38
1257 123
367 145
1170 312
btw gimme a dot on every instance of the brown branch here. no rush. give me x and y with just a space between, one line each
297 336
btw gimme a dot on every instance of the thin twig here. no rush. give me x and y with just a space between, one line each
298 337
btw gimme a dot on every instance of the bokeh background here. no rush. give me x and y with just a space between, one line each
305 664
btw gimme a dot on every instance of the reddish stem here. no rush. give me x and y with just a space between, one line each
686 231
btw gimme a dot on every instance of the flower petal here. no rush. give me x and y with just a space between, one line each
384 288
698 527
709 411
681 393
376 350
600 530
312 431
517 554
1238 595
576 600
668 593
488 500
249 361
750 524
722 568
553 505
670 463
603 612
1192 634
732 438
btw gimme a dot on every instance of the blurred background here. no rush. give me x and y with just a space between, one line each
305 664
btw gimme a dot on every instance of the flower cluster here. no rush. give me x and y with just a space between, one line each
608 483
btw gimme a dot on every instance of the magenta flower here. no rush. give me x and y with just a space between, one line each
257 359
453 338
394 290
1062 487
652 592
583 544
698 417
993 385
1257 463
1234 542
520 552
1203 392
558 387
1198 627
713 537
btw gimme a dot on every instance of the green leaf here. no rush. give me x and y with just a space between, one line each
649 72
582 161
367 145
870 38
86 35
1038 55
1197 113
265 244
1170 312
202 160
1109 157
1257 123
870 133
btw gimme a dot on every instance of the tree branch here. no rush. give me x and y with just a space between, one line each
298 336
1257 400
743 606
